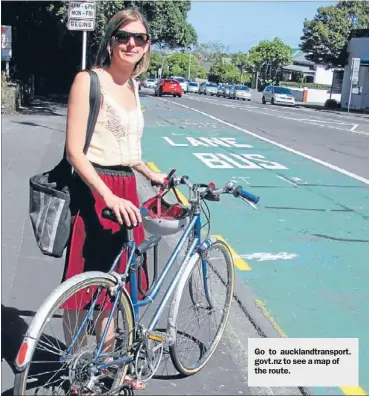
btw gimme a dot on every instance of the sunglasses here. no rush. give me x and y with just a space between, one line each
123 37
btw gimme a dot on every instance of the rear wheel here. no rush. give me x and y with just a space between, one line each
203 297
263 101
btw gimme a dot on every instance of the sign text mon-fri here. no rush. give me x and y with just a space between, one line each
82 15
226 161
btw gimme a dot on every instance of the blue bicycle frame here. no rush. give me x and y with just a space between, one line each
193 227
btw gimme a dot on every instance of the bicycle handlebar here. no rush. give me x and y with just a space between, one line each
210 192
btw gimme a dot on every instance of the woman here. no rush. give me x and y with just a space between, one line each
106 176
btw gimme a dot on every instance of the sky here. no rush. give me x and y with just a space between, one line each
242 24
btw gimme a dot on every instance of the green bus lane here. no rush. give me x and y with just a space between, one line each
308 242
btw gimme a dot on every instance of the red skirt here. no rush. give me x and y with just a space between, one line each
95 242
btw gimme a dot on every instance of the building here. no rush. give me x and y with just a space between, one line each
311 72
358 47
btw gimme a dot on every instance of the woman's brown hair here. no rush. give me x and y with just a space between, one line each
119 19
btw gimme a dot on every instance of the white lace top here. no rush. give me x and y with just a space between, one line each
118 132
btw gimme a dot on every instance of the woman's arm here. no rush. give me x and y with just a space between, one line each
144 170
148 173
78 109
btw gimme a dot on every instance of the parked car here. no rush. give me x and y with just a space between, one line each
150 83
225 91
240 92
182 81
202 87
168 86
211 89
278 95
228 92
193 87
220 89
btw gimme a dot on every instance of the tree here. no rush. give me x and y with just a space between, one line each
224 72
156 60
167 20
178 64
325 38
241 61
268 56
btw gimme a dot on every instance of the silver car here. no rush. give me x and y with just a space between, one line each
240 92
278 95
220 90
211 89
202 87
193 87
226 89
150 83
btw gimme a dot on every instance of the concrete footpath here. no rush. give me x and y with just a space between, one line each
31 144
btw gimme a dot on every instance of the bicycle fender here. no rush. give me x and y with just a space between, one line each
28 345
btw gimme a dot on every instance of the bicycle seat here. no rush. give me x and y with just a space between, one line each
109 215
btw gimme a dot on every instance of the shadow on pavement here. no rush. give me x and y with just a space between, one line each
46 105
166 370
12 332
33 124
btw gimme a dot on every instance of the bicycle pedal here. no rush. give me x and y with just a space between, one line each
157 336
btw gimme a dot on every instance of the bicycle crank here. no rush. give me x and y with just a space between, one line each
148 358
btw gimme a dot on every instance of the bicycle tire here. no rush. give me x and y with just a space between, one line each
55 299
173 312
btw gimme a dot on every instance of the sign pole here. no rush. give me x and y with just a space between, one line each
349 102
84 49
354 78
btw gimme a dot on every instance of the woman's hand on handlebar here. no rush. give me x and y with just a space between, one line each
125 211
157 178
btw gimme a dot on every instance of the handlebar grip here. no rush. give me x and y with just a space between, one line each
246 195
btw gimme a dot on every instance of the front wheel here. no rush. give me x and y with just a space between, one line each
64 334
203 298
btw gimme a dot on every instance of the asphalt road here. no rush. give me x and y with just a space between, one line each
340 139
32 143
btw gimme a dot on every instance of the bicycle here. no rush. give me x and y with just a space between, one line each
90 369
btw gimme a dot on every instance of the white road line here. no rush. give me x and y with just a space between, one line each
317 160
315 121
292 110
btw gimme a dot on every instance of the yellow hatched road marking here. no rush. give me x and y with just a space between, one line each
239 262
